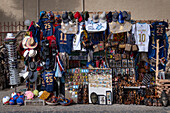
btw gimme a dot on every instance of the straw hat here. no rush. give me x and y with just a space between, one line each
32 53
24 41
30 43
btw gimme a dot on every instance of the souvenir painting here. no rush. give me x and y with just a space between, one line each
118 70
127 70
109 97
124 63
132 71
118 64
102 99
130 63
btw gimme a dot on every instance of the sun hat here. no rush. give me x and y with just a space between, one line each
35 92
78 16
40 93
11 101
26 53
15 97
47 64
32 66
13 94
71 17
32 76
24 41
20 101
120 18
65 17
29 95
115 16
103 17
31 44
125 14
109 17
128 18
86 15
32 53
95 18
10 36
5 100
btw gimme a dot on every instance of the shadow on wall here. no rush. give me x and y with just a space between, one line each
11 10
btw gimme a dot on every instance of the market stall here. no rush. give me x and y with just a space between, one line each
94 57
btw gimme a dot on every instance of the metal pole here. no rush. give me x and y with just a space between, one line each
23 11
83 8
38 10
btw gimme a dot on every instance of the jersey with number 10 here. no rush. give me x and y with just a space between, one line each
141 33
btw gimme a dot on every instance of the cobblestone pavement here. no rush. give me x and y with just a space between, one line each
78 108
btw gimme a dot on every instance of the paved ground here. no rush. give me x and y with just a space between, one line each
79 108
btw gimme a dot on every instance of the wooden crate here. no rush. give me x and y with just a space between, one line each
34 102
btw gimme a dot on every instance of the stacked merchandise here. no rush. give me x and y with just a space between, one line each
12 59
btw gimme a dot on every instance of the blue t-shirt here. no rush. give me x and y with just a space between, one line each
35 32
47 26
48 77
160 29
64 41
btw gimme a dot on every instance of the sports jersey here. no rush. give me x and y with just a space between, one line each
35 32
159 29
48 77
141 33
47 26
64 41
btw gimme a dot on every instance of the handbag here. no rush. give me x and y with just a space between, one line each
101 46
128 47
134 47
115 43
96 48
121 46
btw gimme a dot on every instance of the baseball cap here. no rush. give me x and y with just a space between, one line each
115 16
65 17
103 17
120 18
109 17
95 18
71 17
78 16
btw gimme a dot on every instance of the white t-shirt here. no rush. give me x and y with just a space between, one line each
141 33
95 27
77 40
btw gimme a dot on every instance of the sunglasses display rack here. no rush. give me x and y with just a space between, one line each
10 44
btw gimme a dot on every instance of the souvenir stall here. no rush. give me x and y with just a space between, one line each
93 57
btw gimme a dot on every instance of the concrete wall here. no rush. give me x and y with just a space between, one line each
12 10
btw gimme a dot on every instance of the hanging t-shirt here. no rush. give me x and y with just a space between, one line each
64 41
95 27
160 29
48 77
47 26
77 38
141 33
